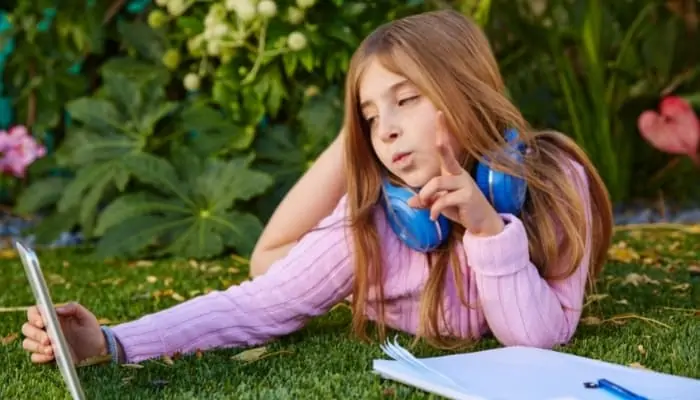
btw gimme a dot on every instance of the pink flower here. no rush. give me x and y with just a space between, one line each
676 129
19 150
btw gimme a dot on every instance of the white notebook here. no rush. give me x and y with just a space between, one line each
523 373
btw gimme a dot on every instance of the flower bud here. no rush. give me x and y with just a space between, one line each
306 3
295 15
157 18
296 41
171 59
176 7
191 81
267 8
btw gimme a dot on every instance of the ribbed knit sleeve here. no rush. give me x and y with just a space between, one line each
521 307
314 276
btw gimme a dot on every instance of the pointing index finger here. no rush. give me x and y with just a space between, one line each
448 163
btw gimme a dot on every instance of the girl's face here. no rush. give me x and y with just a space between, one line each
402 125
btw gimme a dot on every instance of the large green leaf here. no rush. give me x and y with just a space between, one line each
85 180
222 183
134 204
130 237
150 44
97 114
40 194
195 221
83 148
158 173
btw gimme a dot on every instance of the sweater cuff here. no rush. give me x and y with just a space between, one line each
139 339
502 254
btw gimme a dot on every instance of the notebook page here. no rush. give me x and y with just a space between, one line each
534 374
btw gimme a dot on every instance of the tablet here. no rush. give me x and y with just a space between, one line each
62 353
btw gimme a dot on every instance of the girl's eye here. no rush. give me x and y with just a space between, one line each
407 100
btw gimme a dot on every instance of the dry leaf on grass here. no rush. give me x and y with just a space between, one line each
681 286
591 321
9 338
619 320
638 366
141 264
94 361
637 279
55 279
8 253
240 259
621 252
256 354
168 293
250 354
215 269
135 366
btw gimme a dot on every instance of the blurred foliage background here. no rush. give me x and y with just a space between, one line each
174 127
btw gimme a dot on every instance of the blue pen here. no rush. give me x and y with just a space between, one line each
614 389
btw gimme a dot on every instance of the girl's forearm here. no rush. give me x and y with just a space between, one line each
311 199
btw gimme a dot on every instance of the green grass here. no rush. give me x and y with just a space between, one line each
322 360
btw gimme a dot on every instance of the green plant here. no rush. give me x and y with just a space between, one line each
124 126
598 65
187 210
43 71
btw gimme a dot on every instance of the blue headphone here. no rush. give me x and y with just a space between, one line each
413 226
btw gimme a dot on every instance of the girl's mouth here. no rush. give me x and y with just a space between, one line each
400 157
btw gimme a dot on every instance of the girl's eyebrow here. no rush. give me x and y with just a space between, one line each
393 88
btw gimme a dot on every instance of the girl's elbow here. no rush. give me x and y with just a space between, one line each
258 264
542 340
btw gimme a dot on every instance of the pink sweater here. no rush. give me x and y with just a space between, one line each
512 301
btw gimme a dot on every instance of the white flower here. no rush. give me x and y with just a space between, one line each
176 7
191 81
296 41
218 11
245 9
267 8
231 5
295 15
194 45
538 7
214 47
216 32
306 3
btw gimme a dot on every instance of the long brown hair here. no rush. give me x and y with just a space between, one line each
448 58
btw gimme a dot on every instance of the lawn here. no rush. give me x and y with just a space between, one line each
644 314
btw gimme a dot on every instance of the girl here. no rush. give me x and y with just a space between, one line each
427 109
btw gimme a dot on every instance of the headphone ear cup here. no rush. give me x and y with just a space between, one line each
412 225
505 192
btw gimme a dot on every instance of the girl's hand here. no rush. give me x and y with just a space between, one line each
455 194
79 326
